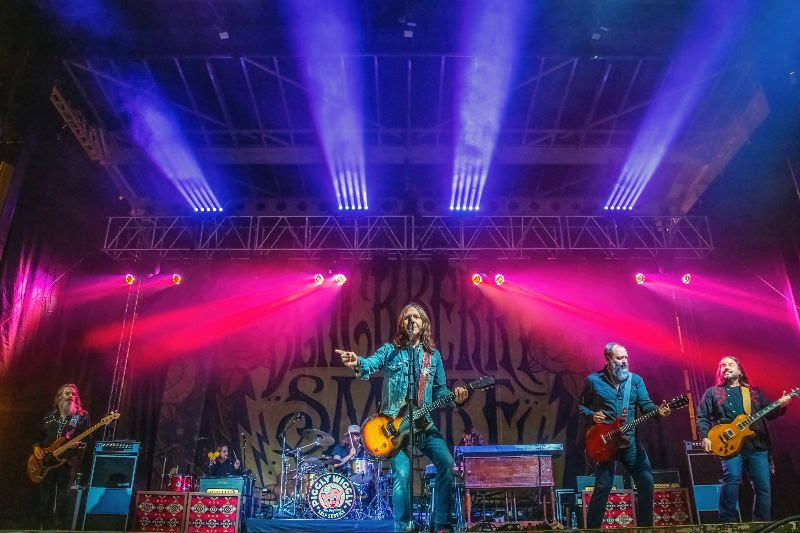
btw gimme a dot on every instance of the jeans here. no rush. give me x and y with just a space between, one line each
757 462
431 443
638 465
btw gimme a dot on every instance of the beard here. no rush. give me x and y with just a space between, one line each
619 371
68 407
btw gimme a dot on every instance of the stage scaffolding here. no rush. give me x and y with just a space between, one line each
406 237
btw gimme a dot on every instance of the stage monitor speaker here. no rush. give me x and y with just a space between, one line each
108 498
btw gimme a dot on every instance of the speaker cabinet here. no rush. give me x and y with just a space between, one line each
108 498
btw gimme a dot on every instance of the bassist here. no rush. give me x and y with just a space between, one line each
66 419
720 405
602 401
414 336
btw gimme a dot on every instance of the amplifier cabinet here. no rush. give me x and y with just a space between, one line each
620 509
160 511
671 507
213 513
508 472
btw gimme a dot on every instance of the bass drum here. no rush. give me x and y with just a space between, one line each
182 483
331 496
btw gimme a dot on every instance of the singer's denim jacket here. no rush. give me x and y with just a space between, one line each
394 363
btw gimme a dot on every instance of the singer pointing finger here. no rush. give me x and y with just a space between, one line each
413 338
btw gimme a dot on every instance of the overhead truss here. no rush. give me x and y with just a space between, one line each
406 237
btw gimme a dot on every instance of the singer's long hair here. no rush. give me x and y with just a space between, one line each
721 378
426 336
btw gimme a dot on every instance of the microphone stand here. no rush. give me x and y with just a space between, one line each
411 397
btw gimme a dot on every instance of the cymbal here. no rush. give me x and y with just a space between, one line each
310 460
317 434
327 460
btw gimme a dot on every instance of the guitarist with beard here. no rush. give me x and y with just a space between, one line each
602 401
66 419
413 336
720 405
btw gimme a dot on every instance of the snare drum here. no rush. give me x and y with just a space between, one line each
361 471
307 477
182 483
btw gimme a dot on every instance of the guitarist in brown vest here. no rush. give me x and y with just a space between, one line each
602 401
413 337
720 405
66 419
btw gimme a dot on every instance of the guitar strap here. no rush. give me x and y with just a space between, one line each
626 396
746 400
423 376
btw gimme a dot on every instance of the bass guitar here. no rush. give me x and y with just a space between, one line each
605 439
383 435
727 439
38 468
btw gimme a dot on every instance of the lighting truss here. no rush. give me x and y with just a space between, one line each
404 237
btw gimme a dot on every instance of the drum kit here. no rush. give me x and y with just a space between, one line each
310 488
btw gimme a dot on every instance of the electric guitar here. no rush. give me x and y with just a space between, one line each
383 435
727 439
605 439
38 468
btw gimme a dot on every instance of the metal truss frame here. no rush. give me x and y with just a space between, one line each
596 140
406 237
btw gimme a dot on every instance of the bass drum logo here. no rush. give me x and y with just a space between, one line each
331 496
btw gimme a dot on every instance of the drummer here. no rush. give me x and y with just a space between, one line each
350 448
222 465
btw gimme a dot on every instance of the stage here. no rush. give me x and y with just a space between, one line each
342 526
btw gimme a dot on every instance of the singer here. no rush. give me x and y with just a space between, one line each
413 338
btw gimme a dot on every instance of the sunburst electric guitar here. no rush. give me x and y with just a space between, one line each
727 439
38 468
383 435
603 440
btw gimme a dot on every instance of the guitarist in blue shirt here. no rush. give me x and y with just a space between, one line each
603 400
413 335
720 405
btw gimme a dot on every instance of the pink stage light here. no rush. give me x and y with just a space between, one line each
686 278
639 278
341 279
129 279
477 279
318 279
499 279
177 279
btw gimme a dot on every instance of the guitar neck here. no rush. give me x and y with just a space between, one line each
74 441
765 411
634 423
441 402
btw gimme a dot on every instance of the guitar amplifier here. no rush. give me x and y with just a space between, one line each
108 498
117 447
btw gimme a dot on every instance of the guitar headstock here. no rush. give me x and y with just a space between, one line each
794 393
678 402
110 417
483 382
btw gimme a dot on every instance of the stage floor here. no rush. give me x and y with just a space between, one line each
343 526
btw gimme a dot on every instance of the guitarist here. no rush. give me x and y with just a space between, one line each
720 405
67 418
413 335
602 401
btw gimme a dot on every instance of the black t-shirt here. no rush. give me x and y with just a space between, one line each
225 468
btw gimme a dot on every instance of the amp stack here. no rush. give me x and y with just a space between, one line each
108 499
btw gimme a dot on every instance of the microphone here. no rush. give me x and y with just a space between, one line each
409 325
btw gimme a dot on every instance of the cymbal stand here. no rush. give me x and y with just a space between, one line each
378 508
